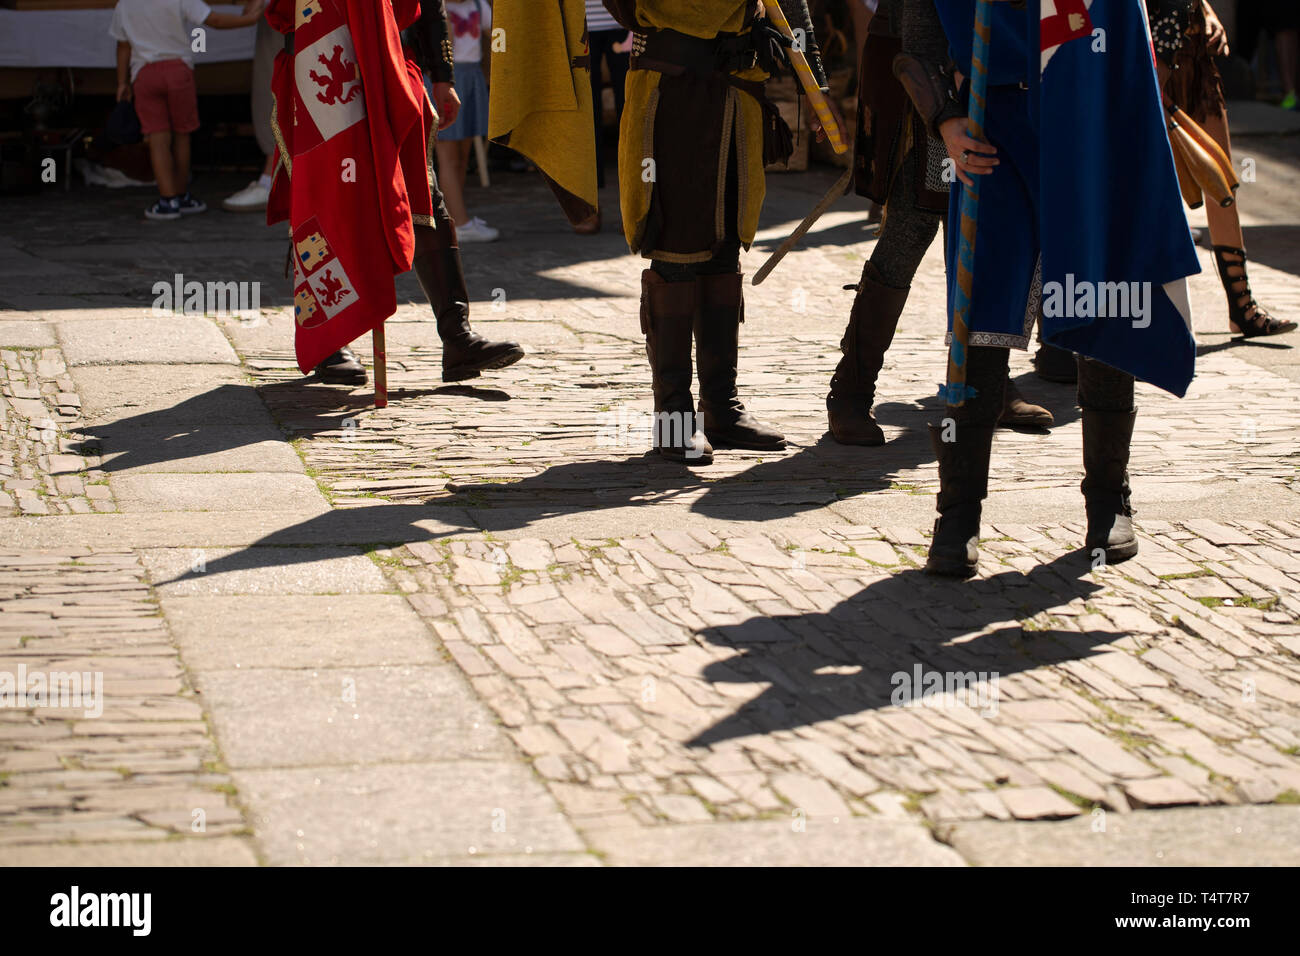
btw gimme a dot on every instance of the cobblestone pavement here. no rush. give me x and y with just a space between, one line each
483 625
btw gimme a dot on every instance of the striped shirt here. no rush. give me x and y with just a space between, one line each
598 17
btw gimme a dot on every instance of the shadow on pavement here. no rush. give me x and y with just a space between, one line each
823 666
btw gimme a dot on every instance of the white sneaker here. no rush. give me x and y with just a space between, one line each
476 230
251 198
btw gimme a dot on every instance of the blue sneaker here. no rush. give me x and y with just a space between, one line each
164 209
190 206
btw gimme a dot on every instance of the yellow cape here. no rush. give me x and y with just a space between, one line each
540 103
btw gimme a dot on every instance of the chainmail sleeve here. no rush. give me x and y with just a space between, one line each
922 33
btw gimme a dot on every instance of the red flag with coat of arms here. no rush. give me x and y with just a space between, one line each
352 125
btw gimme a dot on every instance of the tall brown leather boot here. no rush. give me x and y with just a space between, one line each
465 353
717 347
872 322
667 314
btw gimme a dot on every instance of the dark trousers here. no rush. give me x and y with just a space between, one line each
602 48
1100 388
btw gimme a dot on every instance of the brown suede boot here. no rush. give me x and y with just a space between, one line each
872 322
1017 411
717 347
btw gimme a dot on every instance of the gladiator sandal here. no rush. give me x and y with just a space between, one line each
667 315
1245 316
465 353
872 322
1106 440
341 368
717 346
963 486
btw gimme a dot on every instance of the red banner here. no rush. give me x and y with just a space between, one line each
352 123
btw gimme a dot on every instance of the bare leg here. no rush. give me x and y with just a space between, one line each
181 157
451 177
1245 315
1225 224
164 168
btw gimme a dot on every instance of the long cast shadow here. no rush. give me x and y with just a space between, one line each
224 419
823 666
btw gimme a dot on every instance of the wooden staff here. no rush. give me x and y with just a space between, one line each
959 346
1192 194
1207 163
807 80
381 368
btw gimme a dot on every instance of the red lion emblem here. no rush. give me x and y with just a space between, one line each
331 290
341 74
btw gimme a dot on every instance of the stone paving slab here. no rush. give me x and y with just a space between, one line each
124 752
221 851
689 666
774 843
685 677
1192 836
45 468
179 397
478 447
222 633
308 570
171 340
151 494
216 529
403 713
409 813
126 449
26 335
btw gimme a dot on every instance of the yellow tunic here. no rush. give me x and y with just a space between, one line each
742 117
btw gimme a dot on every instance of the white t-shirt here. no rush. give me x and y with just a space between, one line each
468 20
158 29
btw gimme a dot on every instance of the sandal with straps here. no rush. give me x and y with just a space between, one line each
1245 316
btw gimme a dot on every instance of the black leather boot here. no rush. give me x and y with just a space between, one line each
872 322
667 316
1106 440
1055 365
963 486
465 353
341 368
717 347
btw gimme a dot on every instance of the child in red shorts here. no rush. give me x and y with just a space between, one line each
154 40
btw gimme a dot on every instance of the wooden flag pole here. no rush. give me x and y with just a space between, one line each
381 368
959 347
